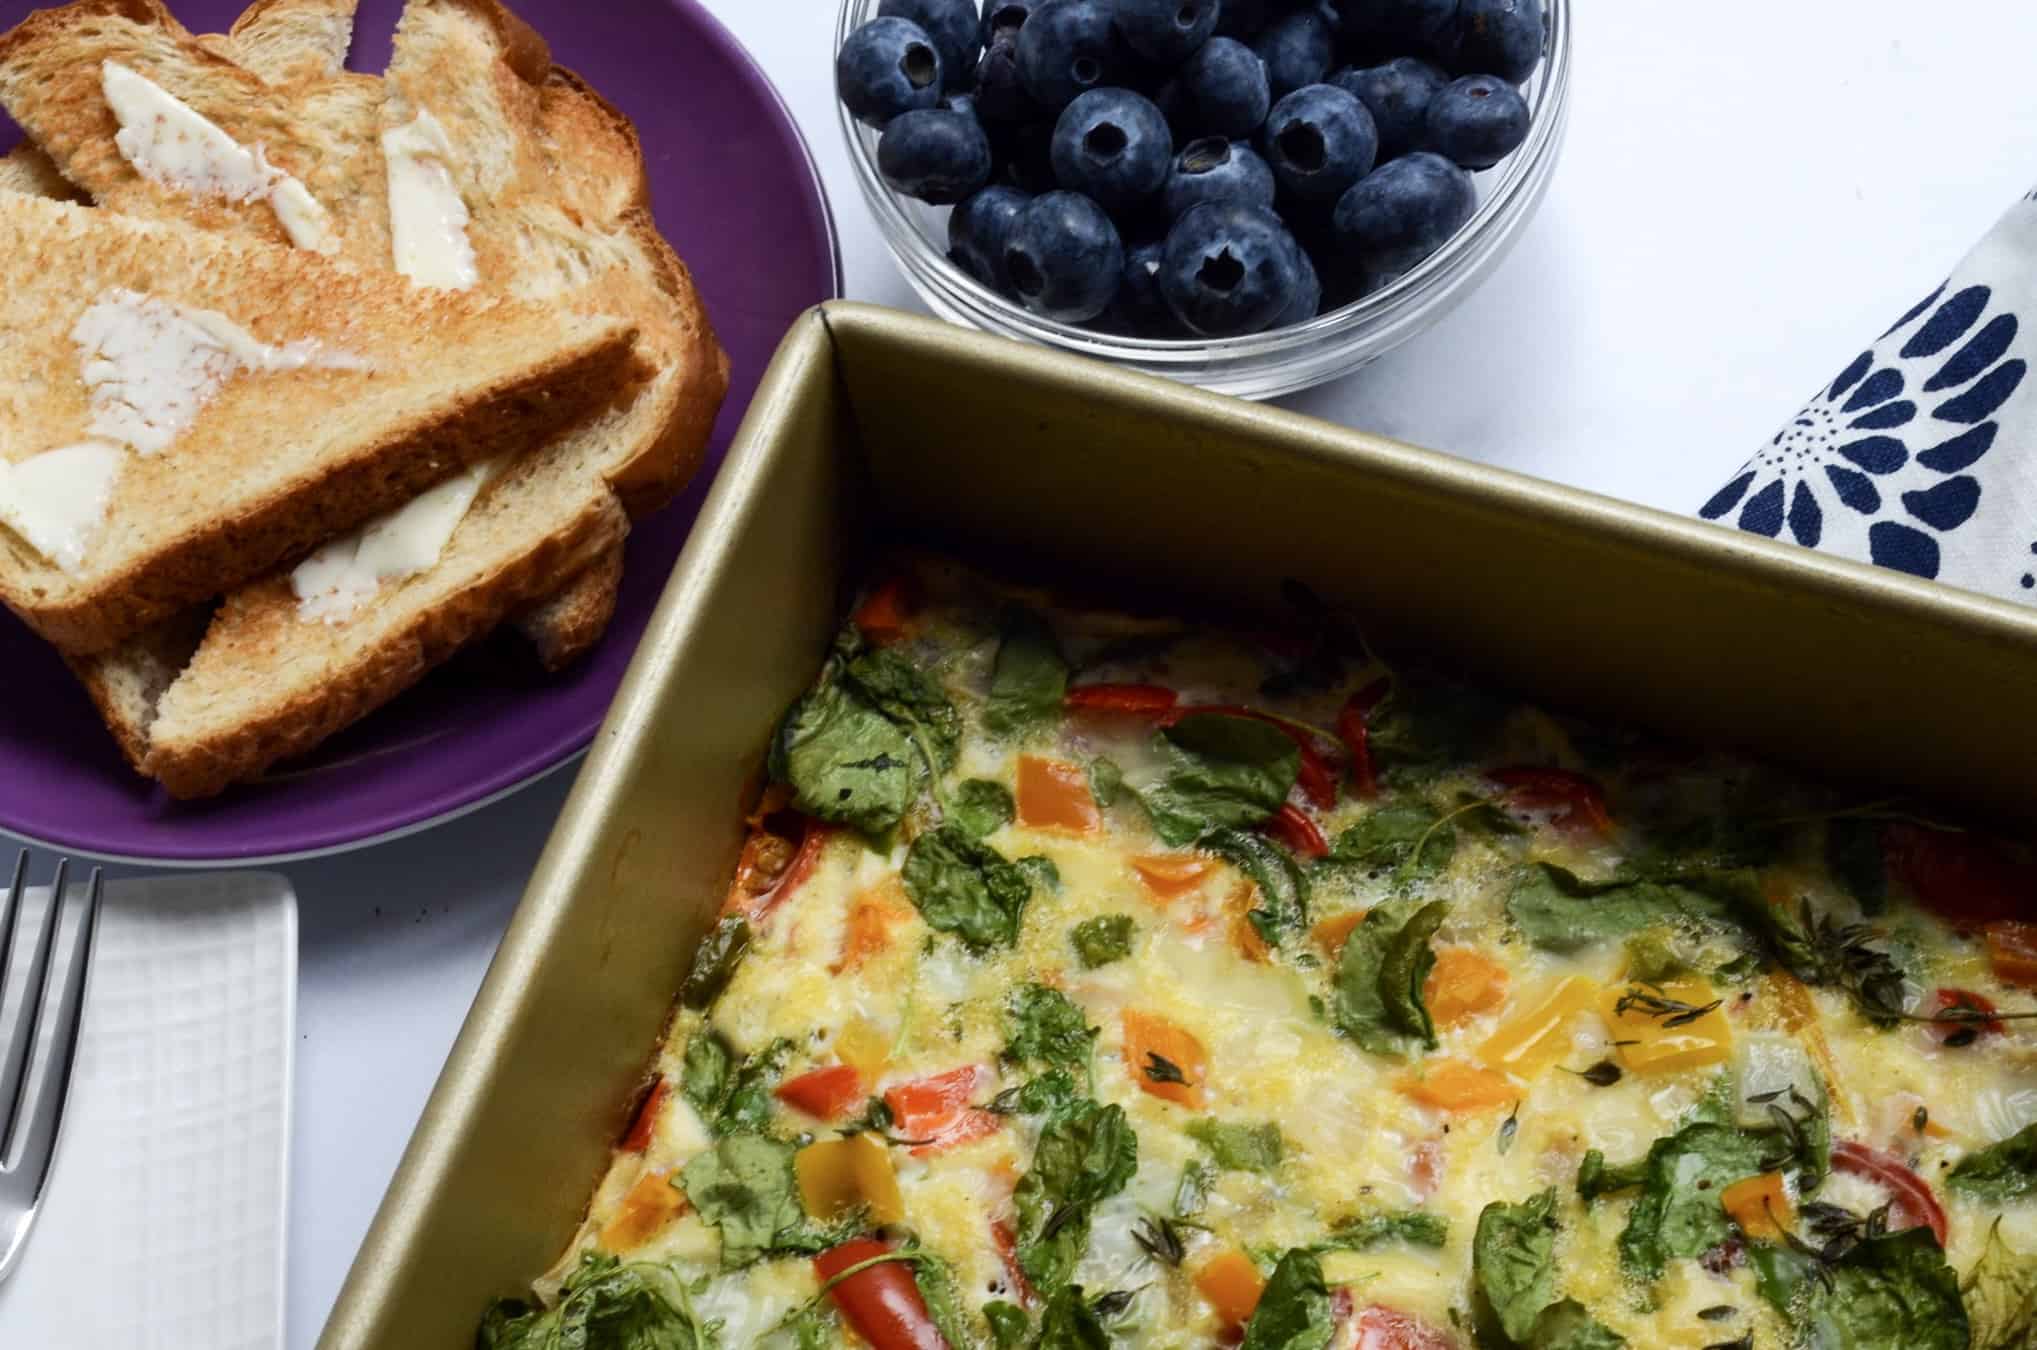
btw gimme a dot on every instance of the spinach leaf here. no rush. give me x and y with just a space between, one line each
1892 1292
912 700
1566 1325
604 1305
2001 1172
1386 839
748 1104
1053 1095
1043 1026
942 1293
1427 727
1040 871
1082 1159
1678 1214
1559 912
1069 1323
1222 770
1414 1227
1513 1265
1294 1311
1106 782
1102 940
1283 887
1595 1178
1009 1325
981 807
1386 960
2001 1296
715 961
844 760
1191 1193
963 886
1238 1147
1030 677
1652 957
744 1186
1853 856
704 1074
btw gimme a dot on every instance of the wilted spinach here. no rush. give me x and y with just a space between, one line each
1386 960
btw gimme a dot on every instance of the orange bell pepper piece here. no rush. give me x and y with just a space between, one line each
1528 1042
648 1206
1054 795
1464 983
1455 1086
1232 1284
1760 1206
872 916
839 1176
1332 934
2012 951
1147 1036
1169 876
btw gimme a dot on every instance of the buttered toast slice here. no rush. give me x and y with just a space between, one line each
181 412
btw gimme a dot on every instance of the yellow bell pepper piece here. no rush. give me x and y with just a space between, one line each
1527 1043
864 1048
837 1177
1648 1039
1760 1206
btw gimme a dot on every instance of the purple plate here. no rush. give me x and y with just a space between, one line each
736 192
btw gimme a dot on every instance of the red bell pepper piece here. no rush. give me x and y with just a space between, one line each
1577 802
1977 1016
1006 1237
883 1302
885 612
1292 827
803 862
1965 878
1913 1205
646 1123
936 1110
1354 730
827 1093
1132 700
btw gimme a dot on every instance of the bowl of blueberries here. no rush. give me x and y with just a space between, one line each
1254 196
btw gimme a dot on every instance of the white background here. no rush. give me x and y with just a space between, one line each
1751 192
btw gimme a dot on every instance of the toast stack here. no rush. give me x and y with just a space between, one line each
458 342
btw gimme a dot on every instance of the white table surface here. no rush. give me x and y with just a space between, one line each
1740 207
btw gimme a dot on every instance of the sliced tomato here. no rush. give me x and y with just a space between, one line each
1292 827
645 1126
1977 1017
1314 778
883 1303
936 1110
1966 878
826 1093
811 845
759 868
1354 730
1913 1204
886 613
1006 1239
1574 802
1130 700
1382 1328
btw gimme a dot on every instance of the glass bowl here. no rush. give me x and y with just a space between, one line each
1261 365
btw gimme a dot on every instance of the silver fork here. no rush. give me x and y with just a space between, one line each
32 1105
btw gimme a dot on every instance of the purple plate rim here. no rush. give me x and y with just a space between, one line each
522 771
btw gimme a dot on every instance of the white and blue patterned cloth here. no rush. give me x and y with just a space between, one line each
1922 455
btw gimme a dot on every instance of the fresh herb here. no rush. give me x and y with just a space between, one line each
941 1291
715 962
1559 912
1404 835
744 1186
1054 1096
963 886
1069 1323
981 807
1363 1232
1009 1326
1513 1276
1102 940
2001 1296
1920 1118
1294 1311
2001 1172
1030 678
604 1305
876 1119
1508 1128
1043 1026
1106 782
1378 995
1888 1292
1283 886
1239 1147
704 1073
1191 1193
1801 1138
1672 1013
1160 1069
748 1103
1082 1159
1718 1312
1160 1240
1110 1307
1820 950
1838 1230
1603 1074
1222 770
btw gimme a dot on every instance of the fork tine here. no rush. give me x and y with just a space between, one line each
28 1023
9 918
38 1149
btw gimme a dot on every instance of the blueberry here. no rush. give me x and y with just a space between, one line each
1000 95
1397 95
1002 20
1023 155
1243 18
1065 48
1139 308
1307 299
1064 258
1499 37
1216 170
1167 31
888 66
980 228
1405 211
934 154
953 26
1477 121
1297 49
1224 90
1319 140
1112 145
1229 269
1422 22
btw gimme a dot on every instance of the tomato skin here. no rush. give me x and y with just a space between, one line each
1355 732
1292 827
1986 1024
1578 802
645 1125
1964 878
1383 1328
1131 700
882 1303
1914 1204
796 873
885 615
826 1093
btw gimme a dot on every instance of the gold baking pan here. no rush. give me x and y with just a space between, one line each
874 426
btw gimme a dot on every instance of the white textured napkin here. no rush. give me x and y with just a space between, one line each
1922 454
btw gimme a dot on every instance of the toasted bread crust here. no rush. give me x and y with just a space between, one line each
564 626
127 683
28 170
285 40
